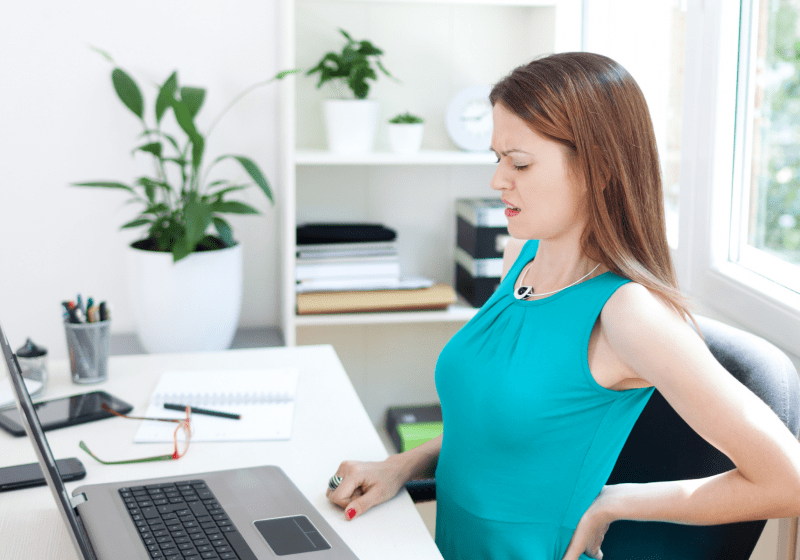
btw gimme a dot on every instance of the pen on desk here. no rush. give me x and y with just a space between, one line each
195 410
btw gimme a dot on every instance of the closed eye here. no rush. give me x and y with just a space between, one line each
517 167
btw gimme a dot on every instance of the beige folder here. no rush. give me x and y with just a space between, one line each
438 296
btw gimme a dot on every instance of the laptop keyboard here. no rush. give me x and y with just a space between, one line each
184 521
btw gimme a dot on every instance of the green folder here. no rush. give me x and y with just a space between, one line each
413 435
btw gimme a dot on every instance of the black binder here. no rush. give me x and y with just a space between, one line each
320 233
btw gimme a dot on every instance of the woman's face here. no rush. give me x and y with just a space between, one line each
533 178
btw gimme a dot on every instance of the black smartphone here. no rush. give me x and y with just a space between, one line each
25 476
66 411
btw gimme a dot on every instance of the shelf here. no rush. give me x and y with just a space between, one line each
522 3
458 312
424 157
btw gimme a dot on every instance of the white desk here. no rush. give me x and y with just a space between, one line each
330 425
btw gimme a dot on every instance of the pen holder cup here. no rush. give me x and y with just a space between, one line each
88 344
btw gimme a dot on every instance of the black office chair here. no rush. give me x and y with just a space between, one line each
661 446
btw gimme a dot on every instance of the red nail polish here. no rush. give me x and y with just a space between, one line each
351 513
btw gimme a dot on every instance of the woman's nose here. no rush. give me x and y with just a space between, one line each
499 182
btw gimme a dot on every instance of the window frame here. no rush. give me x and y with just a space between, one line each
712 174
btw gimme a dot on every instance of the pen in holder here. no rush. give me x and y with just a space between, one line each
88 347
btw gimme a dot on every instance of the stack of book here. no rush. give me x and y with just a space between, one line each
339 257
343 268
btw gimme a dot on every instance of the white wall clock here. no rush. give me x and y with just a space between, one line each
469 119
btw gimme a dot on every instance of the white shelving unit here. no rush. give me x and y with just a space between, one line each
434 49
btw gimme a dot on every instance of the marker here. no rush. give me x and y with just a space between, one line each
194 409
103 308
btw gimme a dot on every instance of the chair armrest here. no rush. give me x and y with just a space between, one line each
422 490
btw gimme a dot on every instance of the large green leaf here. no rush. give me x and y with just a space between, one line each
105 185
184 117
156 209
186 121
165 95
197 217
148 182
180 249
198 146
233 207
193 98
254 172
368 49
218 194
136 223
224 230
154 148
128 92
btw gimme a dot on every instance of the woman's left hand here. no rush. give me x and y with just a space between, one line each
591 529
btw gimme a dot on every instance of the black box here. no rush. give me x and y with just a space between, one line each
481 237
481 242
475 290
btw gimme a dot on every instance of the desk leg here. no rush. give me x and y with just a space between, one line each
791 553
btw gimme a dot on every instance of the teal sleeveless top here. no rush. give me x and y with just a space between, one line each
530 437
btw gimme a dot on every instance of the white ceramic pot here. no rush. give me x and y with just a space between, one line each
405 138
188 306
350 124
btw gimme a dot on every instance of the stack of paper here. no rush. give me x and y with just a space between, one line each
347 266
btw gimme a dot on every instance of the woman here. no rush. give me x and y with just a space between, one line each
541 388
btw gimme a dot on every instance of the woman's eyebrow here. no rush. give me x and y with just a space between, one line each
511 151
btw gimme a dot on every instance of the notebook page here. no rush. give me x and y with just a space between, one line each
264 398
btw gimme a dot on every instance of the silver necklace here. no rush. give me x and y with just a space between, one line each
526 292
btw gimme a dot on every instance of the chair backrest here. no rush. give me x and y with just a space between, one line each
662 446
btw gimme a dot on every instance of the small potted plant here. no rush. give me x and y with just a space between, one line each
350 118
185 272
405 133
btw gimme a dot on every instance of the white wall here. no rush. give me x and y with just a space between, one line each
60 121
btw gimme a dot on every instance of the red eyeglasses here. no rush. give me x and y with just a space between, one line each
184 425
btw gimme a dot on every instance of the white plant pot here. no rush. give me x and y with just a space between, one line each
350 124
405 138
191 305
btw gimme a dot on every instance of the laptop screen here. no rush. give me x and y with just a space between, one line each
40 445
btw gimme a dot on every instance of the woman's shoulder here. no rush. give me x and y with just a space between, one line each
633 309
632 302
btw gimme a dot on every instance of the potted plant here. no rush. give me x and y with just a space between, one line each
405 133
350 120
185 272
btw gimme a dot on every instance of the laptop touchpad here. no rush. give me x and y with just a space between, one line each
291 535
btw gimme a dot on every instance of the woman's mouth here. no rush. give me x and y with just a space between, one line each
511 211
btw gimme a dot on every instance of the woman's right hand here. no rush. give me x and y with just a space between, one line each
366 484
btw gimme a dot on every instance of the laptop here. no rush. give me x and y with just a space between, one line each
245 514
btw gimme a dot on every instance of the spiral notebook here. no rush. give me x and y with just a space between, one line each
264 398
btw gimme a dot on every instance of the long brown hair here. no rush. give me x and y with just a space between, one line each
590 104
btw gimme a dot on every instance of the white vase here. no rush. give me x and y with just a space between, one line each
191 305
350 124
405 138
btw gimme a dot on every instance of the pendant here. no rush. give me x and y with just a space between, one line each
524 292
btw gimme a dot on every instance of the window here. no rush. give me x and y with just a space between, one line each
765 223
739 206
